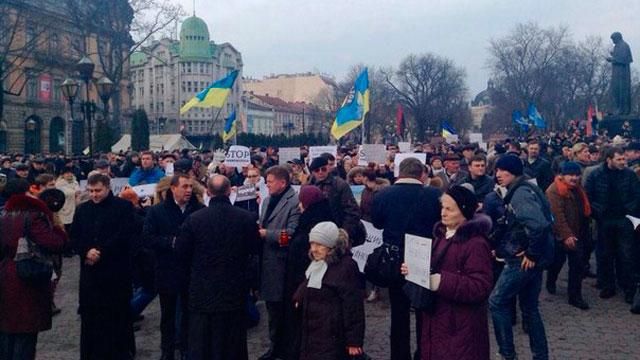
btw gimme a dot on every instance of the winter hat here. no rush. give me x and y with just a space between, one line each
510 163
309 195
465 199
570 168
325 233
318 162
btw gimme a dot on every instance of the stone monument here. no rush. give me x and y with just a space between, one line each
621 117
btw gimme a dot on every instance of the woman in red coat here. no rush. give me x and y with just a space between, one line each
25 309
457 327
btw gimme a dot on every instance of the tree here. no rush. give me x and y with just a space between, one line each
120 28
104 137
433 89
19 39
546 67
140 131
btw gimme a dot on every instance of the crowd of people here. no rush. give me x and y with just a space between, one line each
500 217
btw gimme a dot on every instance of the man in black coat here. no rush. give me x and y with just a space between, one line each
537 167
102 234
406 207
477 177
161 227
214 245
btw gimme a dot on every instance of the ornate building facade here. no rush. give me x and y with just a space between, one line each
168 73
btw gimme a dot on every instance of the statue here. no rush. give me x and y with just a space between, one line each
620 75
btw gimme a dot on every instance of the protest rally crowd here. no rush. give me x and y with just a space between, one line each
210 239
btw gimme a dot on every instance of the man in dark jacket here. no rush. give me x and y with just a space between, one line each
102 236
477 177
161 227
614 192
215 244
344 207
526 248
406 207
536 167
279 220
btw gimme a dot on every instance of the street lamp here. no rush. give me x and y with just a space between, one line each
69 90
85 69
105 90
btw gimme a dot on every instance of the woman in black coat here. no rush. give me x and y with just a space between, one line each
315 209
331 299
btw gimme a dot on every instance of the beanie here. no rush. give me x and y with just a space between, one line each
318 162
465 199
309 195
325 233
510 163
570 168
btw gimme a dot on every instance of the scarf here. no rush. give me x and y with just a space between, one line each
564 189
315 272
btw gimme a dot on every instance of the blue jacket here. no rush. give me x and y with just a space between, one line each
140 176
405 208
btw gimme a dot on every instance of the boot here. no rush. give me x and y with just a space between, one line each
579 303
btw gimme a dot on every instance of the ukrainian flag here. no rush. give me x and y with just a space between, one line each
214 95
447 129
229 127
354 108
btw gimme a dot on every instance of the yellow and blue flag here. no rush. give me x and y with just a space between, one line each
214 95
229 126
447 129
354 108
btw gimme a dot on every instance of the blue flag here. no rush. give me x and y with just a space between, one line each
534 115
229 126
447 129
518 119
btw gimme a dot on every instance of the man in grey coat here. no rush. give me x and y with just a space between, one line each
278 221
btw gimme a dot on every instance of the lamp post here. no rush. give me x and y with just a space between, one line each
105 90
85 69
69 90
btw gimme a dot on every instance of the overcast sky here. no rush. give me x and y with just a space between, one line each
287 36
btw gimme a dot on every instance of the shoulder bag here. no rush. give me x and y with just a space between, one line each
31 264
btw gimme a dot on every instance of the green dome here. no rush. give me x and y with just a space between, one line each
194 40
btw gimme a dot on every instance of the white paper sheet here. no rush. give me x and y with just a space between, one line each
634 220
417 256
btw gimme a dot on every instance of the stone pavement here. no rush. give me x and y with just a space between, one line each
607 331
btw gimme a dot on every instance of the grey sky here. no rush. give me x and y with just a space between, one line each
286 36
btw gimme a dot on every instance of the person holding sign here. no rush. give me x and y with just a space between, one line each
457 327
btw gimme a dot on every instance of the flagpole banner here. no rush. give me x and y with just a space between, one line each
448 130
288 154
316 151
354 108
535 117
214 95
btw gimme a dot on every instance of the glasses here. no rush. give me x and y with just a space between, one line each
321 169
253 176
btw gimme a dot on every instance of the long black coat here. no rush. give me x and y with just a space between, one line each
109 227
161 225
214 246
333 316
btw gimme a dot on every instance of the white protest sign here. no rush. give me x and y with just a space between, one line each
374 240
288 154
147 190
218 157
482 145
376 153
116 185
316 151
417 256
634 221
399 157
168 169
238 156
451 138
475 138
404 146
246 192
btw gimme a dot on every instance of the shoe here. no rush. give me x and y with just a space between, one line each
551 288
373 296
607 293
579 303
55 310
267 356
628 297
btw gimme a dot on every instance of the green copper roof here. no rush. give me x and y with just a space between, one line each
194 40
137 58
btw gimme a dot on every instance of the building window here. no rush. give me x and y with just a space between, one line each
57 91
31 33
54 43
32 89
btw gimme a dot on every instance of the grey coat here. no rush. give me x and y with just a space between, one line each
285 216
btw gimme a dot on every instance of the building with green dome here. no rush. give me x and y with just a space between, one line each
167 73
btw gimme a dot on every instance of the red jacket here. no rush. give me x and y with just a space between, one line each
458 327
25 308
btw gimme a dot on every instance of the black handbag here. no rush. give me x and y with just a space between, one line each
383 265
32 265
422 298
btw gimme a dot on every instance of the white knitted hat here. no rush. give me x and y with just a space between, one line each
325 233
